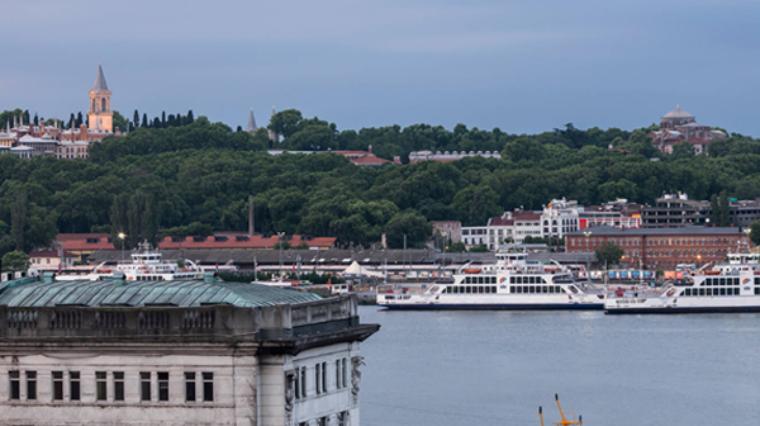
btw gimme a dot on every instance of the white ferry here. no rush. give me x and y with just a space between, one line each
730 287
510 283
146 265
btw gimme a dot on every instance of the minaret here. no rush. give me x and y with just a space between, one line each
251 126
100 116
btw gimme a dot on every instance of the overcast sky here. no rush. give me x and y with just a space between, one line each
520 65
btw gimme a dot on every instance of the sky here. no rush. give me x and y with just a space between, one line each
523 66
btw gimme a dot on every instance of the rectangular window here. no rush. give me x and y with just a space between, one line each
118 386
190 386
297 383
163 385
344 372
337 374
303 382
322 421
14 381
317 378
57 385
324 377
208 386
31 385
75 388
145 386
101 386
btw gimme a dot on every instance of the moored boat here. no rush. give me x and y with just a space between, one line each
733 286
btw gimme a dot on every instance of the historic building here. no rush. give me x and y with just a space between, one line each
177 353
27 140
663 248
100 117
678 126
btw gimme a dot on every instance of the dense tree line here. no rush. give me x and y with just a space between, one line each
197 177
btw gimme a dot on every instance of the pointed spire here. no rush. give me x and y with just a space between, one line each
251 127
100 81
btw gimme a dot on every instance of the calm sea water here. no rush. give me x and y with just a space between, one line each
496 368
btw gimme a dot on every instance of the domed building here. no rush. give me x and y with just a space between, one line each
679 126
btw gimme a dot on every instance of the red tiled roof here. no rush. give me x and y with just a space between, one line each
233 240
85 242
500 221
526 215
369 160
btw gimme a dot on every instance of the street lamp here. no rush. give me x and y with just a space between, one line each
587 234
122 236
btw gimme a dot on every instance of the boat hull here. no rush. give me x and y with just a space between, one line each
494 306
684 310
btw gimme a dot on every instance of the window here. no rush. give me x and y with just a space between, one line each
15 384
74 386
145 386
317 378
324 377
57 385
303 382
343 418
208 386
190 386
322 421
163 385
101 388
344 372
118 386
337 374
31 385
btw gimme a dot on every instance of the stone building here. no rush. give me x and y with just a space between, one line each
177 353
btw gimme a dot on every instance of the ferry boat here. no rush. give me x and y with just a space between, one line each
510 283
146 265
733 286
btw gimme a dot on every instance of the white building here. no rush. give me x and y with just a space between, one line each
177 353
449 156
560 217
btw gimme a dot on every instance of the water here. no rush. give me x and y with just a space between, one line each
496 368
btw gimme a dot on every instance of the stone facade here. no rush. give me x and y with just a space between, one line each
180 365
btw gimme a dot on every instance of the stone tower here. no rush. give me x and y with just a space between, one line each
100 116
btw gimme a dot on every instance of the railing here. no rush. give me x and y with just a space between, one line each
218 321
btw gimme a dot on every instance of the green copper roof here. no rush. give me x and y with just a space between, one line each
142 293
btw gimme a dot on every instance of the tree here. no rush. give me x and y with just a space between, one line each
144 122
474 205
410 224
609 254
136 118
286 122
15 261
754 234
120 122
19 219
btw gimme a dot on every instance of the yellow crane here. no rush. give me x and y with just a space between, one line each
563 420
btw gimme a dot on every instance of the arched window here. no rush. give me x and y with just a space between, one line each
93 106
103 104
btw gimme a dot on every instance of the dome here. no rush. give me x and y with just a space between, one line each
678 113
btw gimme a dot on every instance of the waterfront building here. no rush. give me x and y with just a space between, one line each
356 157
449 156
678 126
199 352
673 210
663 248
241 240
474 236
560 217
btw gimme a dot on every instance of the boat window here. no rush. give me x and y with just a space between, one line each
736 291
701 292
723 292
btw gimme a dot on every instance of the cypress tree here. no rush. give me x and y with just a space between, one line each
144 120
190 118
136 118
163 119
80 119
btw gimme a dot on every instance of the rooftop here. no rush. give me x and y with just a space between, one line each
678 112
680 231
32 292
